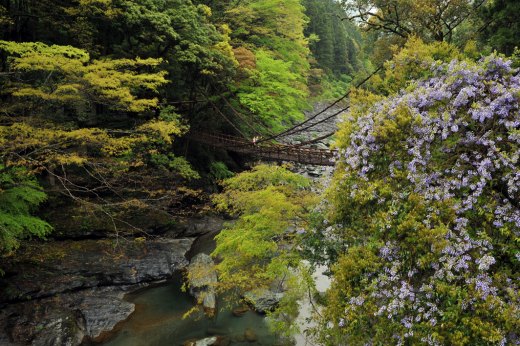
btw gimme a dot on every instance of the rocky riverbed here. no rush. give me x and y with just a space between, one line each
58 293
321 129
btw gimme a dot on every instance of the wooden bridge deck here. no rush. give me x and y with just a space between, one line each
269 152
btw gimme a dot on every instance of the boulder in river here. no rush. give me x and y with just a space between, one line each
46 327
102 313
64 320
202 278
239 311
212 341
250 335
263 300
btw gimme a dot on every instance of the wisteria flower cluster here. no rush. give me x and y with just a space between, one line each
428 203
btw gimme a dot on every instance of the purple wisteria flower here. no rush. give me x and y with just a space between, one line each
459 150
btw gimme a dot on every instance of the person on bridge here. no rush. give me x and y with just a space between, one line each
256 139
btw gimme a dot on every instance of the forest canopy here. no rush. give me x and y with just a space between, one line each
106 88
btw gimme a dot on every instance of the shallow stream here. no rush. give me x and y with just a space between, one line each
158 321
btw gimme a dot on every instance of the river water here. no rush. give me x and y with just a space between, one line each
158 321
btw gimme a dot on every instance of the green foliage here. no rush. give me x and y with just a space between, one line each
219 171
4 17
64 76
46 53
50 146
181 33
334 88
181 30
175 164
391 23
501 30
273 86
300 285
84 86
270 92
432 20
408 64
256 248
274 25
20 195
336 43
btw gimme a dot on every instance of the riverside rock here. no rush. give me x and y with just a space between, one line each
55 326
202 278
65 320
102 313
250 335
240 311
46 269
203 342
263 300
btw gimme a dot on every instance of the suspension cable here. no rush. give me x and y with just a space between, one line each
292 129
238 114
227 119
243 117
318 122
327 135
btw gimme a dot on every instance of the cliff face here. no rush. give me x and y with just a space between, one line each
52 268
59 292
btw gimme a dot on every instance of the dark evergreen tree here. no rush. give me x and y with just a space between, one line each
334 42
502 28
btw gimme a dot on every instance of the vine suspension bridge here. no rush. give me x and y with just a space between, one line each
267 148
269 152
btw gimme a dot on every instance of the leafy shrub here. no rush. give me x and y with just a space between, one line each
219 171
255 249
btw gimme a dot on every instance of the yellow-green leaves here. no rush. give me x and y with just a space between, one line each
41 50
269 201
66 75
116 82
50 146
165 130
